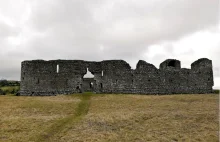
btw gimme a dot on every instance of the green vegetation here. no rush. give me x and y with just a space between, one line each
216 91
6 90
90 117
9 83
9 87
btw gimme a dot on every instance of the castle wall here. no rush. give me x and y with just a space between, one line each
54 77
42 77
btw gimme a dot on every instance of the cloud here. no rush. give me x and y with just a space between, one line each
7 30
119 27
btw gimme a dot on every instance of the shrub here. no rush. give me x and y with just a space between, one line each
216 91
2 92
3 82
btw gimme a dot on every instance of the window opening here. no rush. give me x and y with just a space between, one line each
57 68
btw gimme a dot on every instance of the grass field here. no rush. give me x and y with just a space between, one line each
109 118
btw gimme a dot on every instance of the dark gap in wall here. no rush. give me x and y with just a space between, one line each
172 64
101 85
38 81
78 88
67 82
91 85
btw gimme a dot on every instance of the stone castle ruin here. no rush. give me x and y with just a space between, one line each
39 77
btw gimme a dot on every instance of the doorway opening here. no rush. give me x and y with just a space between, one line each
91 85
88 84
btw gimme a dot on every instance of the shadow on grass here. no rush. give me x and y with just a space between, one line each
61 124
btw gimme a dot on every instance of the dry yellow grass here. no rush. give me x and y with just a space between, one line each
113 118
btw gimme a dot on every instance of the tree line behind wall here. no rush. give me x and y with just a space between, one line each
9 87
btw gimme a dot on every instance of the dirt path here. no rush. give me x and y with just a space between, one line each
61 124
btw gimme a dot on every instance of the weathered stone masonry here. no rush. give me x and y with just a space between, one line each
39 77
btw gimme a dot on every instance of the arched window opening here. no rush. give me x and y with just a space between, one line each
102 73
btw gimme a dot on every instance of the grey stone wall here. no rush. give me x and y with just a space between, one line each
39 77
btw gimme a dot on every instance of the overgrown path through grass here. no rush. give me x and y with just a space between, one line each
61 124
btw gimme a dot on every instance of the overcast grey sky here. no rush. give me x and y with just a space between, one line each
152 30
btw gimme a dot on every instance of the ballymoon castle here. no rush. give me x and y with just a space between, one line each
39 77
